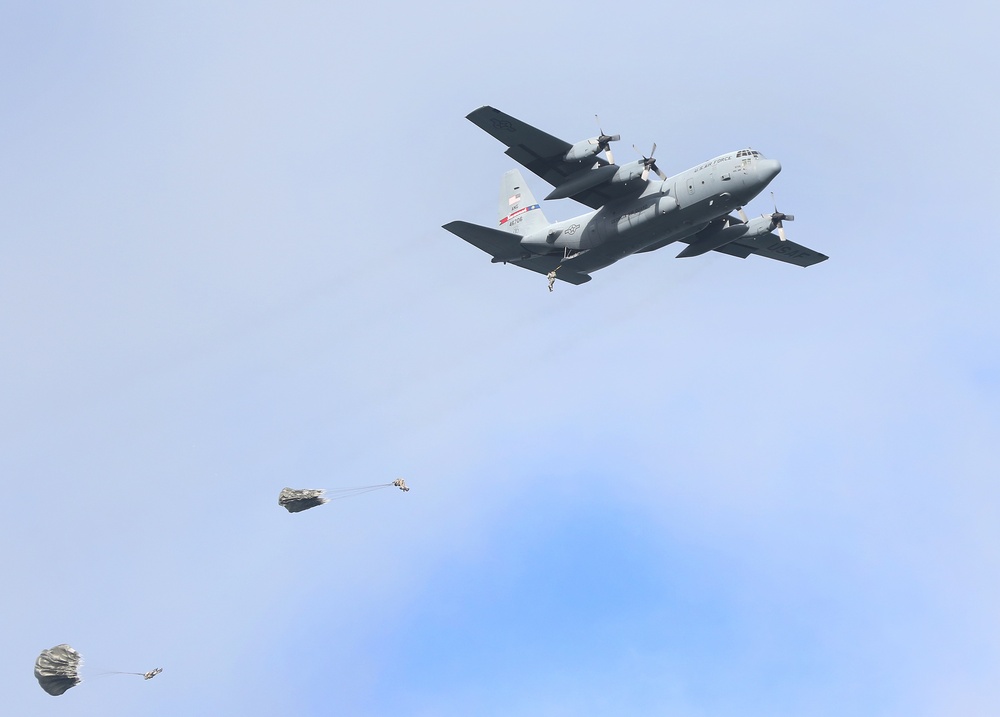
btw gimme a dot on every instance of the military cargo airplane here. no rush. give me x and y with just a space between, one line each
631 213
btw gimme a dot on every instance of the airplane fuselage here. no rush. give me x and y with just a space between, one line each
665 212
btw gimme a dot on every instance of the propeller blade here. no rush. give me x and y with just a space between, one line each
649 163
777 218
605 140
605 137
743 215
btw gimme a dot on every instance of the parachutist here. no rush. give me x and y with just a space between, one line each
296 500
57 670
552 279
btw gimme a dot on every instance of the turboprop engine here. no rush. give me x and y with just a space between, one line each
607 174
593 146
583 150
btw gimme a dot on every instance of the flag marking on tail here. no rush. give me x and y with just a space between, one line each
518 212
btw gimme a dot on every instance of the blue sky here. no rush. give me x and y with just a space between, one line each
700 487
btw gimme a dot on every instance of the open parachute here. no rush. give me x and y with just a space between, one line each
295 500
57 669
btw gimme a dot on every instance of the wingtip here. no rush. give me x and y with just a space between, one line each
479 111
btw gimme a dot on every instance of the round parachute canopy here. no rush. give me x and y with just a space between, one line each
56 669
295 501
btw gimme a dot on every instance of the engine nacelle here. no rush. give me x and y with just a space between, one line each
759 226
628 173
582 150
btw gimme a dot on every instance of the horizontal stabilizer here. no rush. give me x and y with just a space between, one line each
545 264
506 247
503 246
572 278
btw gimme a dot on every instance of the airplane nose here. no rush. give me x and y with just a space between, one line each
767 169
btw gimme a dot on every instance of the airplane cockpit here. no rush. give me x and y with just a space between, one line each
748 155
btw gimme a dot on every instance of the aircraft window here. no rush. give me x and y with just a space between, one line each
757 154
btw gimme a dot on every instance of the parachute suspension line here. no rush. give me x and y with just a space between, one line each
338 493
357 488
297 500
146 675
105 673
350 493
567 254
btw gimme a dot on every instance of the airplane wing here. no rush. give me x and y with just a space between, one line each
771 246
545 155
506 247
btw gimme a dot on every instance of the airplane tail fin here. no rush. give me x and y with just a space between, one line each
519 212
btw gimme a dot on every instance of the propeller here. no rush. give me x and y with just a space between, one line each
743 215
649 163
777 218
604 141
